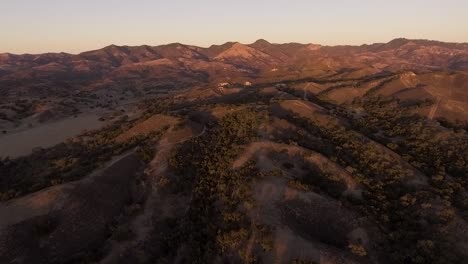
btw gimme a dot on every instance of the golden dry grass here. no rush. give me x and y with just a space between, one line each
154 123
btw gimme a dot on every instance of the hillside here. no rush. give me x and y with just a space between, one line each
259 153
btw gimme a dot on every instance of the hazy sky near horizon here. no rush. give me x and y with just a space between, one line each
36 26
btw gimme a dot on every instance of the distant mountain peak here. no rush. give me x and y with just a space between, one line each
237 44
399 41
239 50
314 46
113 47
175 45
261 42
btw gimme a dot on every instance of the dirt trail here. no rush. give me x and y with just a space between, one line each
142 225
305 91
284 94
434 108
308 106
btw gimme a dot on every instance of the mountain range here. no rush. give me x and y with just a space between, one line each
261 153
417 68
233 60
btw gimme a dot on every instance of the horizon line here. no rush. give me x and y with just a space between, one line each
207 47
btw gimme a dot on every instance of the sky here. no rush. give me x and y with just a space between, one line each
73 26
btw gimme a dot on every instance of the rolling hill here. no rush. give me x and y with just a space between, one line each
236 153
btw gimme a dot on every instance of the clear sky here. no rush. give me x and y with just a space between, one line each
36 26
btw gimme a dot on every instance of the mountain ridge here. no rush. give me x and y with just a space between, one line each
121 65
230 42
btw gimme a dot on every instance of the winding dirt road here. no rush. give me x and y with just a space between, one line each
434 109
